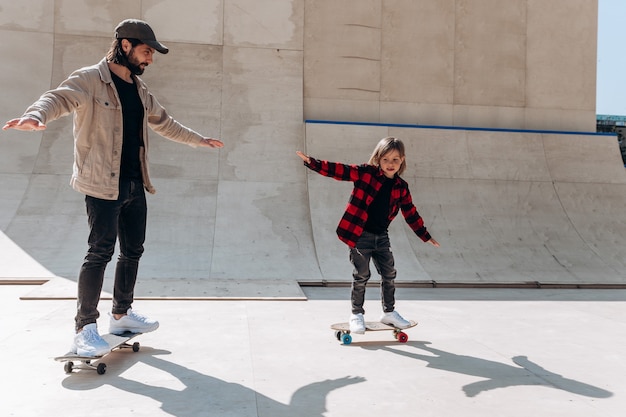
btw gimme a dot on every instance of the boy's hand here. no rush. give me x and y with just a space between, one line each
303 157
433 242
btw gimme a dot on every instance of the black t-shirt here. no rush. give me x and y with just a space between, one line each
378 210
132 115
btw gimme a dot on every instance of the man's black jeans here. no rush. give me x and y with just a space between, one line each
124 218
377 248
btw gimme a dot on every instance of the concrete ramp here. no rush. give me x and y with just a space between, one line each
228 223
508 207
249 220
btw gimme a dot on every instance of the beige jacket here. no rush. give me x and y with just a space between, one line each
90 93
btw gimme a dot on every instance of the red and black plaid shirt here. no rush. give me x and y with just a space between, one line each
367 181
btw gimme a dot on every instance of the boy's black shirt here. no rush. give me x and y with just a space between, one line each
378 211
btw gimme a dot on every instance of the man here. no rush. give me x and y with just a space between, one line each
113 110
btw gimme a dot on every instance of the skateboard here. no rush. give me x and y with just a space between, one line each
342 331
86 362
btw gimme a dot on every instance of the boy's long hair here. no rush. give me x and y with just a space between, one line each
385 146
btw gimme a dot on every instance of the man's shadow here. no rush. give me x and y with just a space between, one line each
202 394
496 375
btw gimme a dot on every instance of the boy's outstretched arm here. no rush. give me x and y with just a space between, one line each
335 170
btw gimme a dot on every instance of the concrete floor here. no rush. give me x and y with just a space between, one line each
474 353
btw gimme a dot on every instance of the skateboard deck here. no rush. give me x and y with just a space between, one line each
342 330
86 362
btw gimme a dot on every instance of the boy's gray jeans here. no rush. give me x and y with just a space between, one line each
377 248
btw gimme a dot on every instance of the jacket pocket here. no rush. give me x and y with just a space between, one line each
104 103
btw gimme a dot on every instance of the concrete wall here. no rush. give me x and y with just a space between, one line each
234 71
250 72
526 64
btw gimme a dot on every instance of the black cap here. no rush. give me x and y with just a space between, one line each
138 29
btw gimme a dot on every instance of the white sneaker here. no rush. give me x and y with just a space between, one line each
394 319
132 322
88 342
357 323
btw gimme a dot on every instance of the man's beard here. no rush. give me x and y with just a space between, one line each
129 61
133 64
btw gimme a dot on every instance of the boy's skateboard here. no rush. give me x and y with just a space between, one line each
342 330
85 362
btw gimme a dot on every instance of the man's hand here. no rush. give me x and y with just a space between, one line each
211 143
25 124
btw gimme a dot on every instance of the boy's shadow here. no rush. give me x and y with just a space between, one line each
202 394
496 374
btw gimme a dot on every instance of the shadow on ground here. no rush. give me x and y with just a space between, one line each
496 375
203 394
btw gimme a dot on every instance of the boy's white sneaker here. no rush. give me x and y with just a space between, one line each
88 342
132 322
357 323
394 319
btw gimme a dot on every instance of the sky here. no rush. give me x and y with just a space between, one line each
611 69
